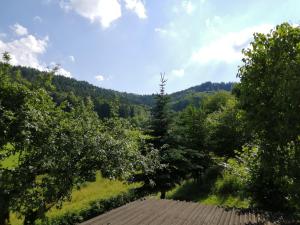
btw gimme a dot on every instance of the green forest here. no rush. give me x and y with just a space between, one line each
70 151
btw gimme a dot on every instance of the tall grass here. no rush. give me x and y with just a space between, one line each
215 188
92 191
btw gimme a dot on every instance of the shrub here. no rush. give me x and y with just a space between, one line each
236 175
228 185
277 187
96 208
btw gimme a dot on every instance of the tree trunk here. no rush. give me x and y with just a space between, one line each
162 194
4 217
30 218
4 210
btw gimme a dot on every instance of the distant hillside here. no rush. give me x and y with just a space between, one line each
193 95
128 104
205 87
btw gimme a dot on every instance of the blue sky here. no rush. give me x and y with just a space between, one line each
125 44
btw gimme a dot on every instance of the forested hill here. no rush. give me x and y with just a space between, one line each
128 104
193 95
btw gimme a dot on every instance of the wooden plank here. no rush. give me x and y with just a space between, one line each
169 212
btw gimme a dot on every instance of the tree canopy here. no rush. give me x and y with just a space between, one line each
269 94
55 148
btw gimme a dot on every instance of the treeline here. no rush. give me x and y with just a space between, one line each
48 148
189 140
109 103
253 133
54 136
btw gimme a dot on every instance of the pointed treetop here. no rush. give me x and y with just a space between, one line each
6 57
162 84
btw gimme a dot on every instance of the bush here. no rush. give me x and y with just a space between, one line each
236 174
275 186
96 208
228 185
211 175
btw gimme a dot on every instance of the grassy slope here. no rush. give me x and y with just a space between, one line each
206 193
100 189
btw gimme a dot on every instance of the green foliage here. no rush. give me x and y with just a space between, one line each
95 191
269 93
171 166
189 134
217 101
188 99
224 124
56 148
56 133
194 95
126 105
6 57
159 177
234 178
190 129
214 188
160 117
269 88
95 208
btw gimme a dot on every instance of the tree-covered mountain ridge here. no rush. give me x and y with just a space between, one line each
85 89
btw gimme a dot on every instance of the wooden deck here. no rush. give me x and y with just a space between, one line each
169 212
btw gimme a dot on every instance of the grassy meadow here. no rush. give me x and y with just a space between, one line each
215 189
102 188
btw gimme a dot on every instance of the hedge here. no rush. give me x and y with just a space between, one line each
96 208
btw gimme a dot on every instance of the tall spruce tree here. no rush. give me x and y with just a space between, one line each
189 134
160 118
166 175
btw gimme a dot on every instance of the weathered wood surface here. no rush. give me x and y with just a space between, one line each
169 212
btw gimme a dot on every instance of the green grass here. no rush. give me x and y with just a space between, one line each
11 161
100 189
91 191
228 201
213 190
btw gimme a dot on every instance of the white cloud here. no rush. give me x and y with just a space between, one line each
161 30
26 50
188 7
37 19
228 47
136 6
63 72
178 72
103 11
212 23
165 32
100 78
58 70
170 31
19 29
65 5
72 58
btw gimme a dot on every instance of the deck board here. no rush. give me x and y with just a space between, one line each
169 212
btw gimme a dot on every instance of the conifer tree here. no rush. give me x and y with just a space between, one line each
167 174
160 119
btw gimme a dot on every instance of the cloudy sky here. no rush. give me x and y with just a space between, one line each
125 44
